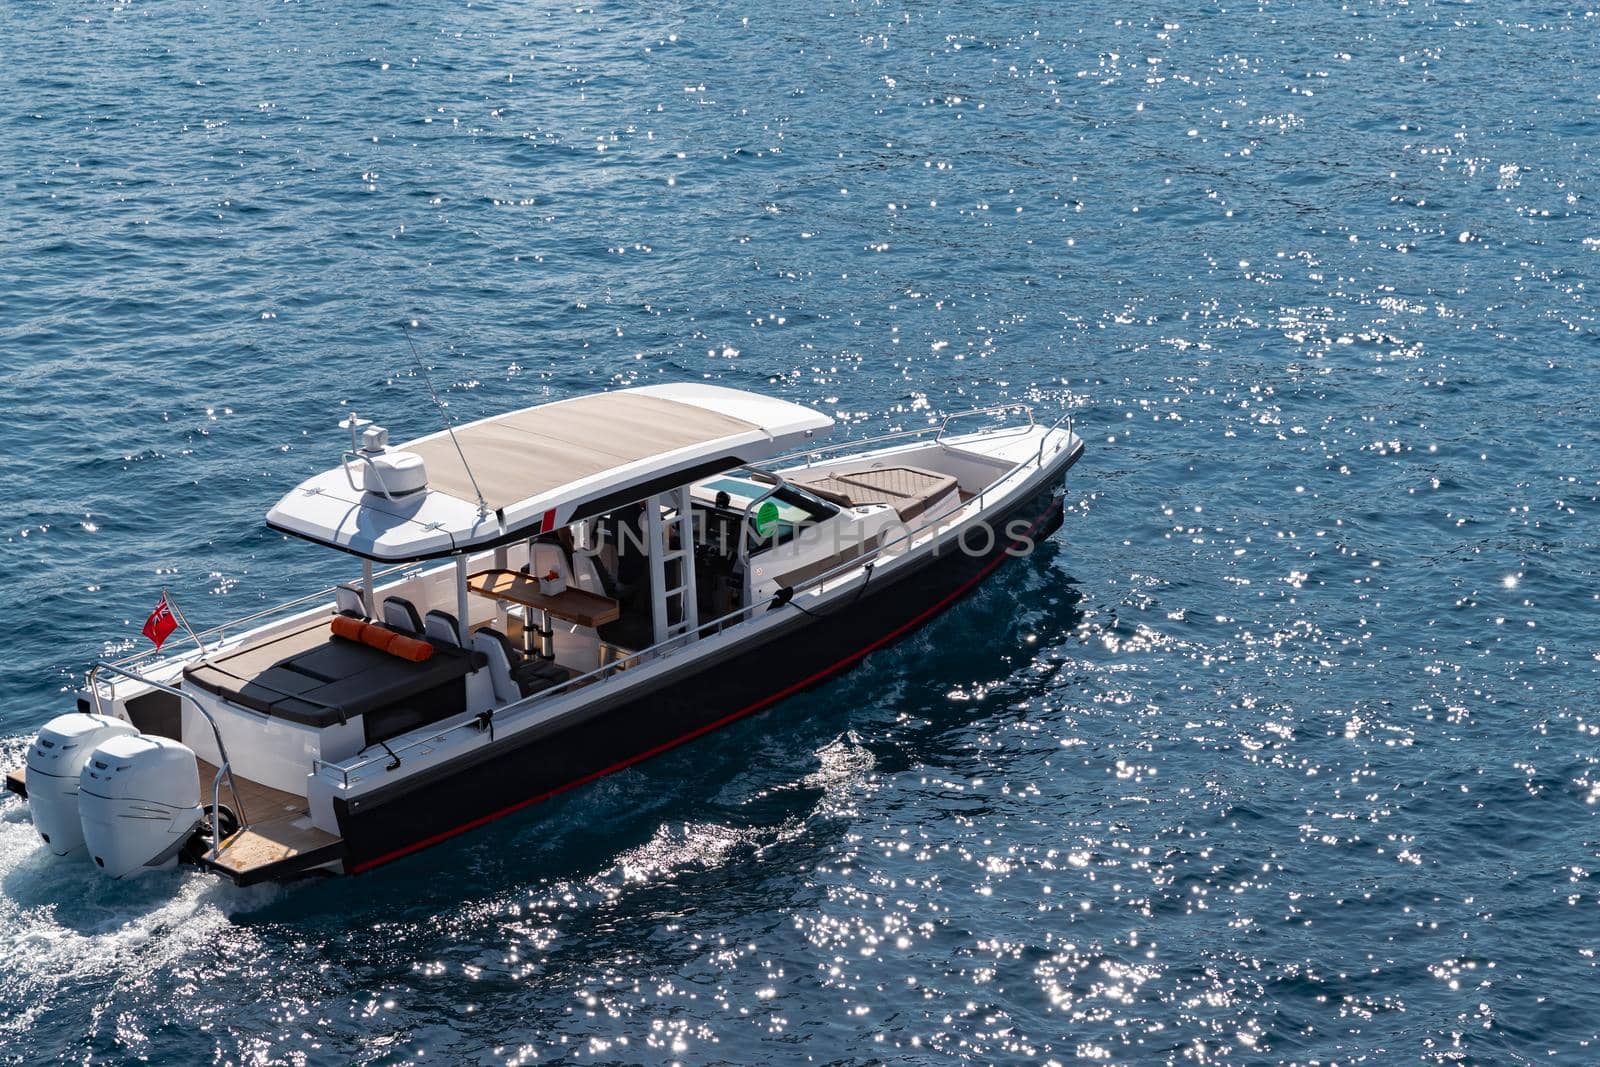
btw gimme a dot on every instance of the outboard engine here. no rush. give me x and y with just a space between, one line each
139 799
55 760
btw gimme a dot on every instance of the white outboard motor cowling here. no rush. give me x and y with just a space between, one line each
55 760
139 800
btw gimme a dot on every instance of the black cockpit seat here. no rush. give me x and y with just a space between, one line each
441 628
400 614
347 600
512 676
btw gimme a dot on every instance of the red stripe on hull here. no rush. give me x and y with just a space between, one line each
750 709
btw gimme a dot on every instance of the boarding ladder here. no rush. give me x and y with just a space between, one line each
672 594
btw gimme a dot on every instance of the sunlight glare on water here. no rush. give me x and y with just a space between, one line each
1283 751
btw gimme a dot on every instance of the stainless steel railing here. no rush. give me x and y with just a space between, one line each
977 503
938 438
220 631
222 752
1066 417
813 454
750 512
393 756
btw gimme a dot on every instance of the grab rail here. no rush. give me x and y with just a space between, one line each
811 455
473 721
222 752
220 630
957 505
344 465
749 509
1066 417
938 438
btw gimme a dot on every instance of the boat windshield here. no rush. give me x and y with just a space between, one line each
777 518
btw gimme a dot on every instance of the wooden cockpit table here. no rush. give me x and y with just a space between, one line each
571 604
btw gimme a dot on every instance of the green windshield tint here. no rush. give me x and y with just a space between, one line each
741 491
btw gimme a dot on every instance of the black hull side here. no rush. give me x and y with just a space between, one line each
414 814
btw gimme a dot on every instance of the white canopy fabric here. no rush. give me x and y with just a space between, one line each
539 467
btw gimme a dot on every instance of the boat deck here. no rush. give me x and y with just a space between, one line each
909 490
311 676
279 839
279 843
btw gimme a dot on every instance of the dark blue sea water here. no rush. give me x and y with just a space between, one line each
1285 750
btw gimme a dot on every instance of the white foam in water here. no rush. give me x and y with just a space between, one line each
62 921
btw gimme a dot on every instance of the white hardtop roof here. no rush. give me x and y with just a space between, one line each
544 467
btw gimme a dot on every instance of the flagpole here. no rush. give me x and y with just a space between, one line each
173 604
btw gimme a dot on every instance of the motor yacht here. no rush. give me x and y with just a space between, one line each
545 596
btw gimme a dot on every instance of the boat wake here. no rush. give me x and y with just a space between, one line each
64 926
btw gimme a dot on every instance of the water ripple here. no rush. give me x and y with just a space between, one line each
1284 751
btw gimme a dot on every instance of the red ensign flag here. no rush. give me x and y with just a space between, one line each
159 626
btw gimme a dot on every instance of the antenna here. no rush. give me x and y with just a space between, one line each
483 506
